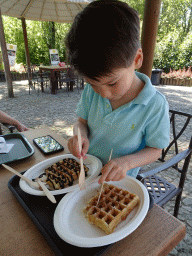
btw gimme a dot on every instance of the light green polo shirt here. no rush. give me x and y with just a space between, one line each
142 122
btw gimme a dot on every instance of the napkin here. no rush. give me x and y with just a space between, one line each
4 147
2 143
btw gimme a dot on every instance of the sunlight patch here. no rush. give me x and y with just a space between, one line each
60 123
69 131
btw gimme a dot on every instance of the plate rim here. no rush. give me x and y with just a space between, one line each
101 241
29 190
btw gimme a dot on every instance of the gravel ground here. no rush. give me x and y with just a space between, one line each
58 112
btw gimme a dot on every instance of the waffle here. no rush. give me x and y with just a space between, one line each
114 206
62 173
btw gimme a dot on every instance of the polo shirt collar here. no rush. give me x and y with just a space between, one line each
148 91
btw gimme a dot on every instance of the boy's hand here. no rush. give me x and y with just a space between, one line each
73 146
114 170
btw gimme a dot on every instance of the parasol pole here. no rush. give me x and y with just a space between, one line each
149 34
5 59
27 51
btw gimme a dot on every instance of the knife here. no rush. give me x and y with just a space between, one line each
82 171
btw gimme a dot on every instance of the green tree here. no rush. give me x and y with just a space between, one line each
173 48
42 36
137 5
176 15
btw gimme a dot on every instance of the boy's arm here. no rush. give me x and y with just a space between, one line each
116 168
82 125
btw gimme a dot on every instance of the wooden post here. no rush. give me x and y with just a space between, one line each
149 33
5 59
27 51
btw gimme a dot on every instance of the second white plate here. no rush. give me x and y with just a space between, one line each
93 163
72 226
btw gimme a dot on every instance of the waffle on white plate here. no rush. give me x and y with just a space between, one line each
114 206
62 174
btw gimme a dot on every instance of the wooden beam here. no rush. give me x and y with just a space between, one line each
5 59
27 51
149 34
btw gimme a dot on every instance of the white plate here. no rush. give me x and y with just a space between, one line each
92 162
72 226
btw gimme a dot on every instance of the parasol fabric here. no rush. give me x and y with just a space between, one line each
43 10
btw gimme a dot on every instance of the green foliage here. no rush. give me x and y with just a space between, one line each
137 5
174 51
174 40
176 15
41 37
1 66
185 51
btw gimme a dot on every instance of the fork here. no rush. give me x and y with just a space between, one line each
34 184
104 182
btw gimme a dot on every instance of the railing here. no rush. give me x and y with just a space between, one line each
176 81
14 76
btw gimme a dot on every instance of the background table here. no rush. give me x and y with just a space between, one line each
158 234
53 78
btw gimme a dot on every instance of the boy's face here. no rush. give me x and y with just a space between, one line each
115 85
120 83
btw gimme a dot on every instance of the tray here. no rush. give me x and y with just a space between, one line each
42 214
21 149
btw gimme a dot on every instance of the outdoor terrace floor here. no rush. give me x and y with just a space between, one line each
58 112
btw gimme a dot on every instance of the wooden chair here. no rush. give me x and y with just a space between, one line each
161 190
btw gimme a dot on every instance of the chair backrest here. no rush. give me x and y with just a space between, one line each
70 73
180 126
8 126
1 130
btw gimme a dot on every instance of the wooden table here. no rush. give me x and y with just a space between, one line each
158 234
53 78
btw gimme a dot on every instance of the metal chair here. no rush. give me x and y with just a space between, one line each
161 190
69 78
10 127
38 80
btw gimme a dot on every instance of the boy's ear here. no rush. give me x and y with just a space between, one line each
138 59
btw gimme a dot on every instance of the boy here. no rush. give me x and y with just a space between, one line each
119 108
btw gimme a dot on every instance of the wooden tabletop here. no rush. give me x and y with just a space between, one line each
158 234
54 67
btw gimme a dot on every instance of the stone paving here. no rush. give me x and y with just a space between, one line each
58 112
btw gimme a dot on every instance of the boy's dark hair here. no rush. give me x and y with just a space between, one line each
104 36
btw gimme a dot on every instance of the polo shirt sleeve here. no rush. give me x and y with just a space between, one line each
84 104
157 131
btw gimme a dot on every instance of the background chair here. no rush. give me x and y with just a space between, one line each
70 78
10 127
162 190
38 80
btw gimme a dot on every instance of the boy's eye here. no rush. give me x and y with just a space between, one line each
112 84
